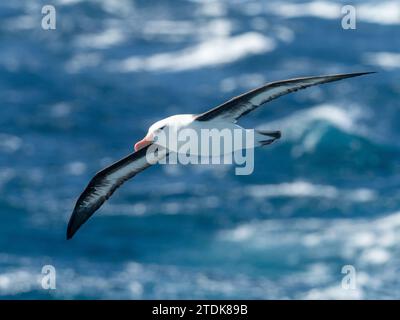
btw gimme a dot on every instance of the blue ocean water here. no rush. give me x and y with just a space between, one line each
77 98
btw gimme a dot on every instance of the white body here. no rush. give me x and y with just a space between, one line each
182 134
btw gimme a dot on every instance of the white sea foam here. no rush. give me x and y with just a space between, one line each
370 245
101 40
83 60
17 281
9 143
332 293
244 81
375 236
76 168
61 109
380 12
23 22
117 7
6 174
385 60
383 12
169 28
217 51
212 8
185 30
321 9
132 281
306 189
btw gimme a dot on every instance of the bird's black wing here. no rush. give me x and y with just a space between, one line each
105 182
243 104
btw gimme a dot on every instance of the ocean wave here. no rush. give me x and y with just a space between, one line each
6 174
17 281
10 143
384 60
385 12
305 189
310 207
213 52
130 280
351 234
243 81
189 206
321 246
301 128
320 9
103 40
298 122
365 244
181 30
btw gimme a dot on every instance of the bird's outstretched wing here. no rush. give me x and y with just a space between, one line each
243 104
105 182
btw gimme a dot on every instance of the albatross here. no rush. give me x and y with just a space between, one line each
106 181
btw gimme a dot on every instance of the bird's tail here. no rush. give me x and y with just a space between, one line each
273 135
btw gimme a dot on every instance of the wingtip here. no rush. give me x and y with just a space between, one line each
71 229
354 74
70 232
363 73
367 72
341 76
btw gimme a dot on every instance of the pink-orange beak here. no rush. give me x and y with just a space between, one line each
143 143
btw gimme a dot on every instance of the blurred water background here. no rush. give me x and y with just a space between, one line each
77 98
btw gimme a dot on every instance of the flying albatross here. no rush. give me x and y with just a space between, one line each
105 182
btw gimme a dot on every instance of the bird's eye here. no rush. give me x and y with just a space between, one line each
155 138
